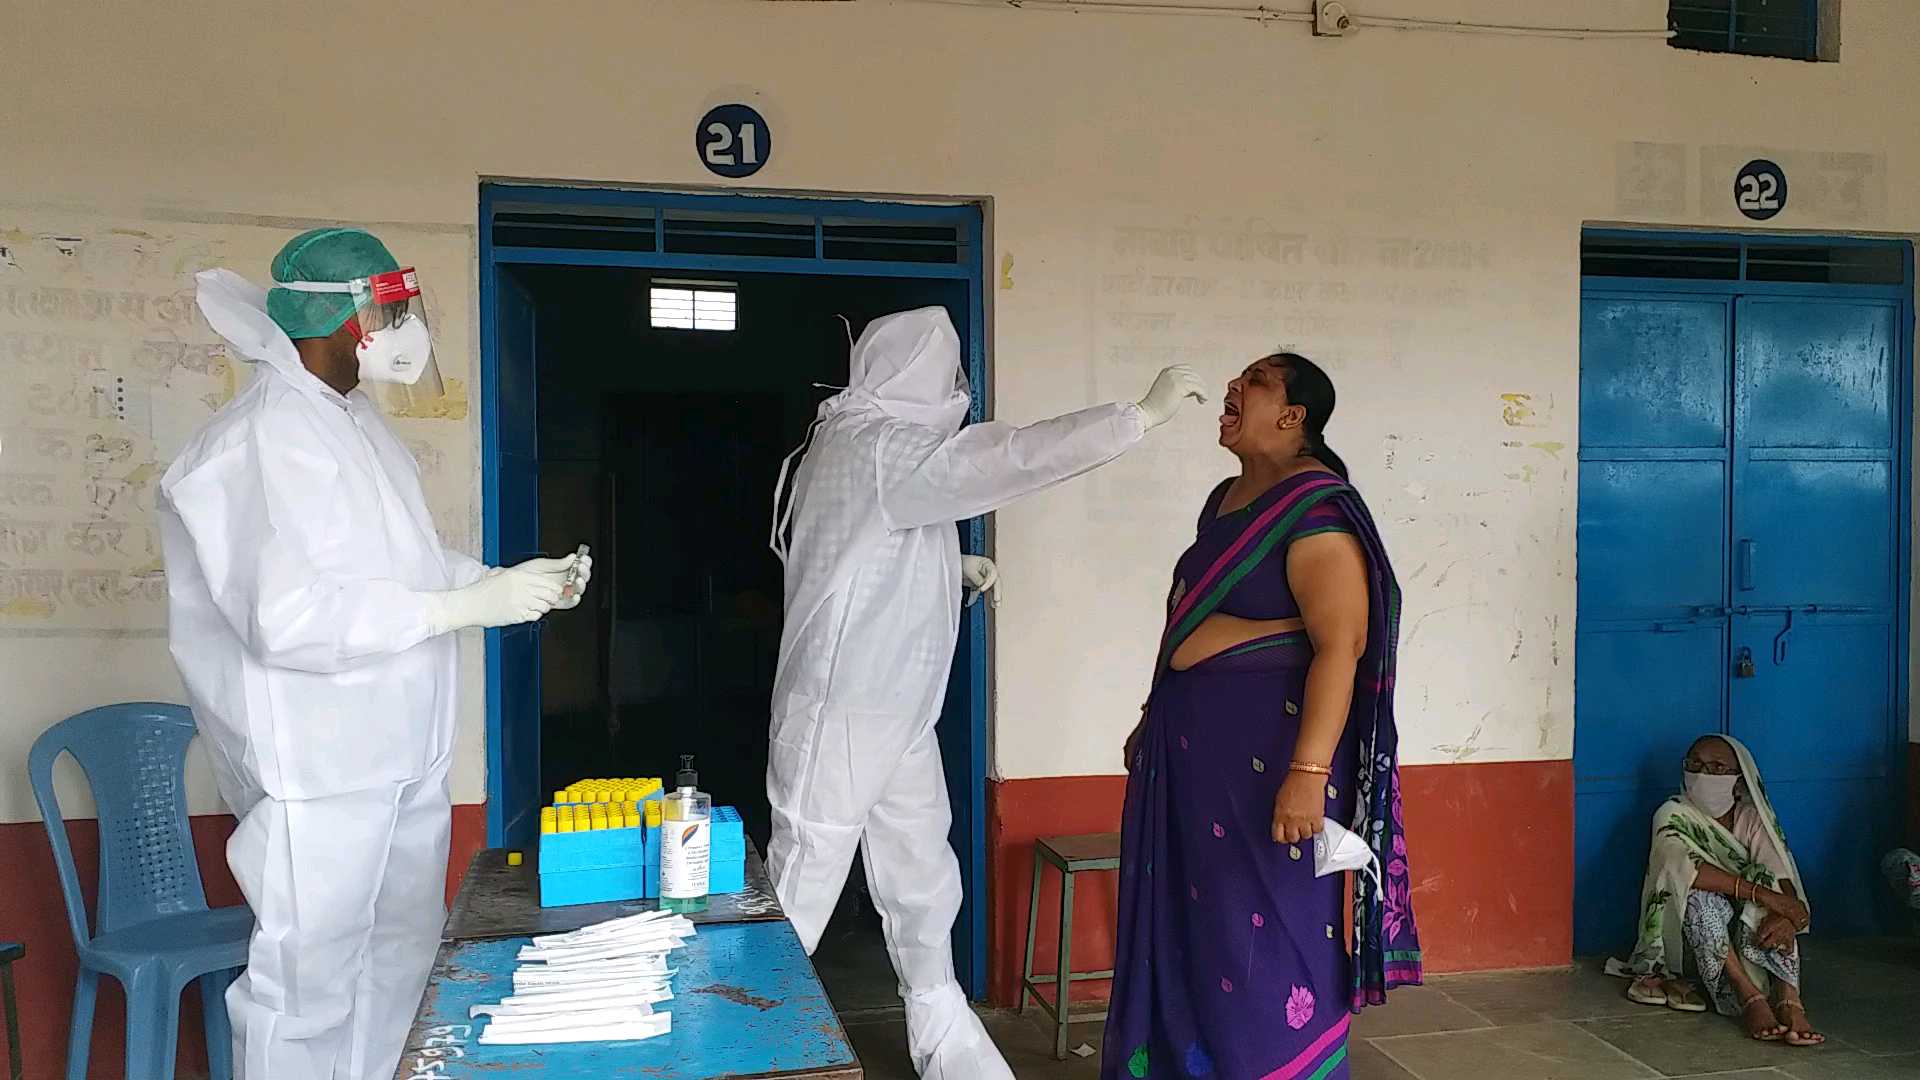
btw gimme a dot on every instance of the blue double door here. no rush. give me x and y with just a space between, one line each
1741 462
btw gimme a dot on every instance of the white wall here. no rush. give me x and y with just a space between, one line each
1436 185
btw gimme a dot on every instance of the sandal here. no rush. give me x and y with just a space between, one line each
1686 1000
1647 991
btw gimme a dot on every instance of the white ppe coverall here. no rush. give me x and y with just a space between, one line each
873 591
300 558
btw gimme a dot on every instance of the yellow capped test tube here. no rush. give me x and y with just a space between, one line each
653 815
549 819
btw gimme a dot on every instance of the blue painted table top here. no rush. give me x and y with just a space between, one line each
746 1004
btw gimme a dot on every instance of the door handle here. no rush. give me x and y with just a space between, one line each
1746 565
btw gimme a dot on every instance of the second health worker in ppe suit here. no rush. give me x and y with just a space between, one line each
873 587
310 610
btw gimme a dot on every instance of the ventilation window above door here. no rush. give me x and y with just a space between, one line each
1743 260
694 305
838 238
1784 29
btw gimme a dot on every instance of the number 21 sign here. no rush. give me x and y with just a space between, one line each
733 141
1760 189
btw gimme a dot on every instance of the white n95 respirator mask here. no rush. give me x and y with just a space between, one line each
398 354
1336 848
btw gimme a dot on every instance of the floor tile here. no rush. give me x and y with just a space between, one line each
1883 1025
1027 1043
1366 1061
882 1049
1543 1051
1556 1025
1830 1063
1527 997
1680 1044
1416 1010
1849 971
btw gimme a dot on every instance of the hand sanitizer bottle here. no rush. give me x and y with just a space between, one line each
686 843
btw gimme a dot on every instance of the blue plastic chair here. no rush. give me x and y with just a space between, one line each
152 928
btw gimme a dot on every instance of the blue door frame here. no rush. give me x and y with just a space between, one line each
966 217
1594 929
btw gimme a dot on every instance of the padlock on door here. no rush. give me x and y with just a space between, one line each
1743 666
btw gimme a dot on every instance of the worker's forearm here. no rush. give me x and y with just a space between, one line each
1323 717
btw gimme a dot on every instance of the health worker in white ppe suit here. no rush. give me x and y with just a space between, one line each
874 577
310 610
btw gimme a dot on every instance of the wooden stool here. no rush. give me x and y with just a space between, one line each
1069 855
9 952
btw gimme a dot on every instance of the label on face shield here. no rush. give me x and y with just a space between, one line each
393 287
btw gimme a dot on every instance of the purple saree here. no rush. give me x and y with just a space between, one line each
1231 958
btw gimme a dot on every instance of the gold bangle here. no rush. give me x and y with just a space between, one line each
1309 767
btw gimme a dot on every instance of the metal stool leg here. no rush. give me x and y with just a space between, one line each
1063 977
15 1067
1033 924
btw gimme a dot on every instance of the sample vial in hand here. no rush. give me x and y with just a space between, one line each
572 584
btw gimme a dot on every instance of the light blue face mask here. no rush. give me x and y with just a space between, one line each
1336 849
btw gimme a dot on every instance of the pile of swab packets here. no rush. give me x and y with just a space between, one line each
597 984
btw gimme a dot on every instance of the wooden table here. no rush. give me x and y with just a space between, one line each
746 1004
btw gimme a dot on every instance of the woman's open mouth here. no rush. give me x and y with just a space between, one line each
1230 415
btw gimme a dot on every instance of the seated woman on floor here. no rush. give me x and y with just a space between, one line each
1723 900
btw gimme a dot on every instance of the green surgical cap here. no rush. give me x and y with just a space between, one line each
323 255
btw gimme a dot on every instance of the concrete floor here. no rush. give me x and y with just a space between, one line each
1556 1025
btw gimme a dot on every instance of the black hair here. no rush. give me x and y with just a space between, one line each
1309 387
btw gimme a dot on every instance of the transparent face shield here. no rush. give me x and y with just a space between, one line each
395 348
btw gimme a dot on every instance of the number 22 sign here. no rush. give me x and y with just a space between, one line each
1760 189
733 141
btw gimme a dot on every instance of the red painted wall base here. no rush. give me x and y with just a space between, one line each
32 911
1480 904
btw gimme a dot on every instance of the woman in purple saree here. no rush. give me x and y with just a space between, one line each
1272 708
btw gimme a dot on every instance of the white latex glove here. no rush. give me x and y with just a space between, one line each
582 573
504 597
978 573
1169 392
